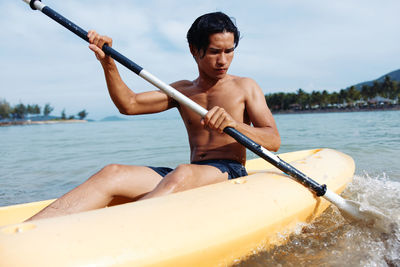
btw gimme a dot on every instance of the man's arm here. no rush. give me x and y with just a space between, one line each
264 131
127 101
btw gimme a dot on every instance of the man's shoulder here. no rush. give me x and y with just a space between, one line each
182 84
245 83
242 80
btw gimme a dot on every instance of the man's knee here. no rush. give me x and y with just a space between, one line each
111 169
107 172
180 178
108 176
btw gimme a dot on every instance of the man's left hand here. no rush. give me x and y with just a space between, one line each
218 119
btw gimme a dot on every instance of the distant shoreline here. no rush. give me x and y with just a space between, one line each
337 110
283 112
29 122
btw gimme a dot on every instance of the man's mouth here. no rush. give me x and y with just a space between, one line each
221 70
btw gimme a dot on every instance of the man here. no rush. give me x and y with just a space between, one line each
231 100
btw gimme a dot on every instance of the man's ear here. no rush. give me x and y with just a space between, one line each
193 51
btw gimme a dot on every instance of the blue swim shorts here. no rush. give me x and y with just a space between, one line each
232 167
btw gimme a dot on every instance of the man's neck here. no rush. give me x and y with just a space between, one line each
205 82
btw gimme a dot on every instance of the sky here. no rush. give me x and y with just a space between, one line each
285 45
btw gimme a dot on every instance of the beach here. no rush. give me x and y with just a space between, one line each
30 122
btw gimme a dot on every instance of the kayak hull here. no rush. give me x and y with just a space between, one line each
213 225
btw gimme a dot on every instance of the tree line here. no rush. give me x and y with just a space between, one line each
22 111
345 98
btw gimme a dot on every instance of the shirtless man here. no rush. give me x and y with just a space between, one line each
231 100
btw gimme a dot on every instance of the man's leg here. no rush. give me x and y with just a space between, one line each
98 191
187 176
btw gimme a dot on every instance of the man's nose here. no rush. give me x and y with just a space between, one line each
221 60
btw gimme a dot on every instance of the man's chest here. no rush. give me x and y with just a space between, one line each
223 97
233 101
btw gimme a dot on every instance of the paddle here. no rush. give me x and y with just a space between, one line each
349 209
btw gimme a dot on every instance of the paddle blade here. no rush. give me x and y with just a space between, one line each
365 216
368 216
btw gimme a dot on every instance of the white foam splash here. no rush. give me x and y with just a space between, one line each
333 241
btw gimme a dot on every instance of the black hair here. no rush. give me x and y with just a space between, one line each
207 24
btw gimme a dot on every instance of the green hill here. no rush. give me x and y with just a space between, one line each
394 76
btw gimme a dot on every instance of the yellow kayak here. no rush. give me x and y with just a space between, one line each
213 225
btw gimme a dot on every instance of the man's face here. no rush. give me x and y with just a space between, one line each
218 56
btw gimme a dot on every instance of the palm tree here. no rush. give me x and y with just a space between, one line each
47 110
82 114
303 98
5 109
353 94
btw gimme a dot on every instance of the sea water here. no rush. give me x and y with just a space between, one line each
40 162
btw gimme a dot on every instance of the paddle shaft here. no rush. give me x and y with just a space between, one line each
320 190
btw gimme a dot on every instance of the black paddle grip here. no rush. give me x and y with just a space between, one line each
319 190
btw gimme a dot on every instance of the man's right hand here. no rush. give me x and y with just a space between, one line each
96 44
